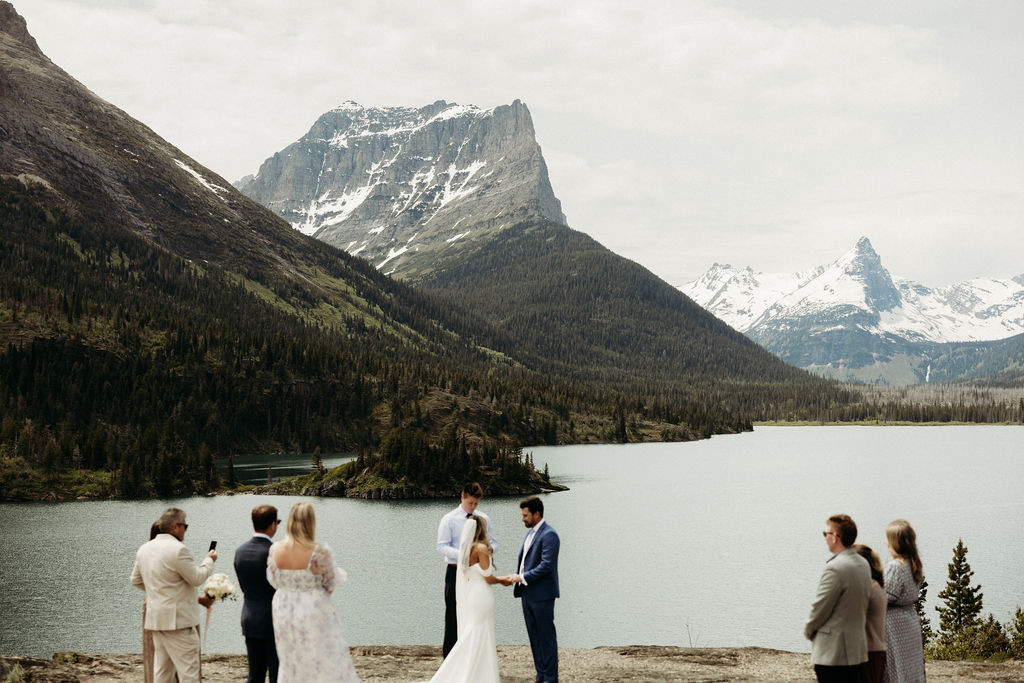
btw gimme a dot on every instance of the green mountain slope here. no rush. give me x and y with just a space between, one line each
998 363
583 313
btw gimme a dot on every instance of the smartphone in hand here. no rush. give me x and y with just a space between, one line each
213 546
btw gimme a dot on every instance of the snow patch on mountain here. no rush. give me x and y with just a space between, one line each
215 189
980 309
365 178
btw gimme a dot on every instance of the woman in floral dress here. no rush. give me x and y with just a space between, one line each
310 645
903 577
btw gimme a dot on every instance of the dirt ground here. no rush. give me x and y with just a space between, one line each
404 664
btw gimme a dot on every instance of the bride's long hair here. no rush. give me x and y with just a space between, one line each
475 531
481 531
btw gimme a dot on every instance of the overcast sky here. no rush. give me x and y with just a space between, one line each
678 133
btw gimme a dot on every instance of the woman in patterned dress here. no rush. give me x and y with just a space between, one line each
903 577
307 631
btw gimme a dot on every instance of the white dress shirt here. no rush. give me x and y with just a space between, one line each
526 545
449 531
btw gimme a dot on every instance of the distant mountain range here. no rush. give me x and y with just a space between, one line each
387 183
852 320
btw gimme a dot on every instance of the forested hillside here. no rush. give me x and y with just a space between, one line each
122 357
999 363
582 313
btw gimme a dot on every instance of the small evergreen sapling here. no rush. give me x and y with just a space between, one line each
963 601
926 625
1016 635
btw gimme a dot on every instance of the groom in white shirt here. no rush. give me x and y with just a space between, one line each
448 533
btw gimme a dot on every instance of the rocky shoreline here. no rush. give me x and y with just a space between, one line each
611 664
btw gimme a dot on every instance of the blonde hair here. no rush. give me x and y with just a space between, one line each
903 544
481 531
301 527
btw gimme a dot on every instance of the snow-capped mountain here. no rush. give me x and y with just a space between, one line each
851 313
386 182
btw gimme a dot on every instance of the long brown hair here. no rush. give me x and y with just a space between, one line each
903 544
874 561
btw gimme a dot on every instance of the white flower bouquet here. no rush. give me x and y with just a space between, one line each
219 587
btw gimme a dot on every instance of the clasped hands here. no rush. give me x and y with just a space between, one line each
510 579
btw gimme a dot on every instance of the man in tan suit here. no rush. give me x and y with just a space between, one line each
836 626
166 570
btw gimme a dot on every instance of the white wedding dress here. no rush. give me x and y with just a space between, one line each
474 659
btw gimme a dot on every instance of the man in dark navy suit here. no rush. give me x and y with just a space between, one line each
537 585
257 619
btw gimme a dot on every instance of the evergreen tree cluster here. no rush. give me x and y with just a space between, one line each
963 634
406 455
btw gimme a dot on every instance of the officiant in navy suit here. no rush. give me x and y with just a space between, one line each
251 570
537 585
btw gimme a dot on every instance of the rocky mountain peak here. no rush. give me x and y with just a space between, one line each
14 25
389 182
863 264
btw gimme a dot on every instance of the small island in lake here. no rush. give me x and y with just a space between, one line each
407 466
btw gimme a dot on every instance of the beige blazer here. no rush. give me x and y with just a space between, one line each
836 625
166 570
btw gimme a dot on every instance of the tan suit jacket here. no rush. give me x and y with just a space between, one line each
836 626
166 570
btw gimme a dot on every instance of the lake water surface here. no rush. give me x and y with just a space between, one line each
710 543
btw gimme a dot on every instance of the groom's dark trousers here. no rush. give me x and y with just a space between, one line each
257 612
540 571
451 623
540 626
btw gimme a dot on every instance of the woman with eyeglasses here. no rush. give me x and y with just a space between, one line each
904 574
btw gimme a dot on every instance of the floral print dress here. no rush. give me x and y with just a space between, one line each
307 631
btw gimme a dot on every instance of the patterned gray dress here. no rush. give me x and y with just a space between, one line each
905 652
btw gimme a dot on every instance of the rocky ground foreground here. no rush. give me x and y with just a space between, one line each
394 664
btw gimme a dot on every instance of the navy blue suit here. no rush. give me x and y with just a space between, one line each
257 615
540 572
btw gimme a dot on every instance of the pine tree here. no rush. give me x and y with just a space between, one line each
1015 631
926 624
963 601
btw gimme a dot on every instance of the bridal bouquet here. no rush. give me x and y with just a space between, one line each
219 587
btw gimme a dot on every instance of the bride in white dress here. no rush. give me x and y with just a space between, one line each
474 659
